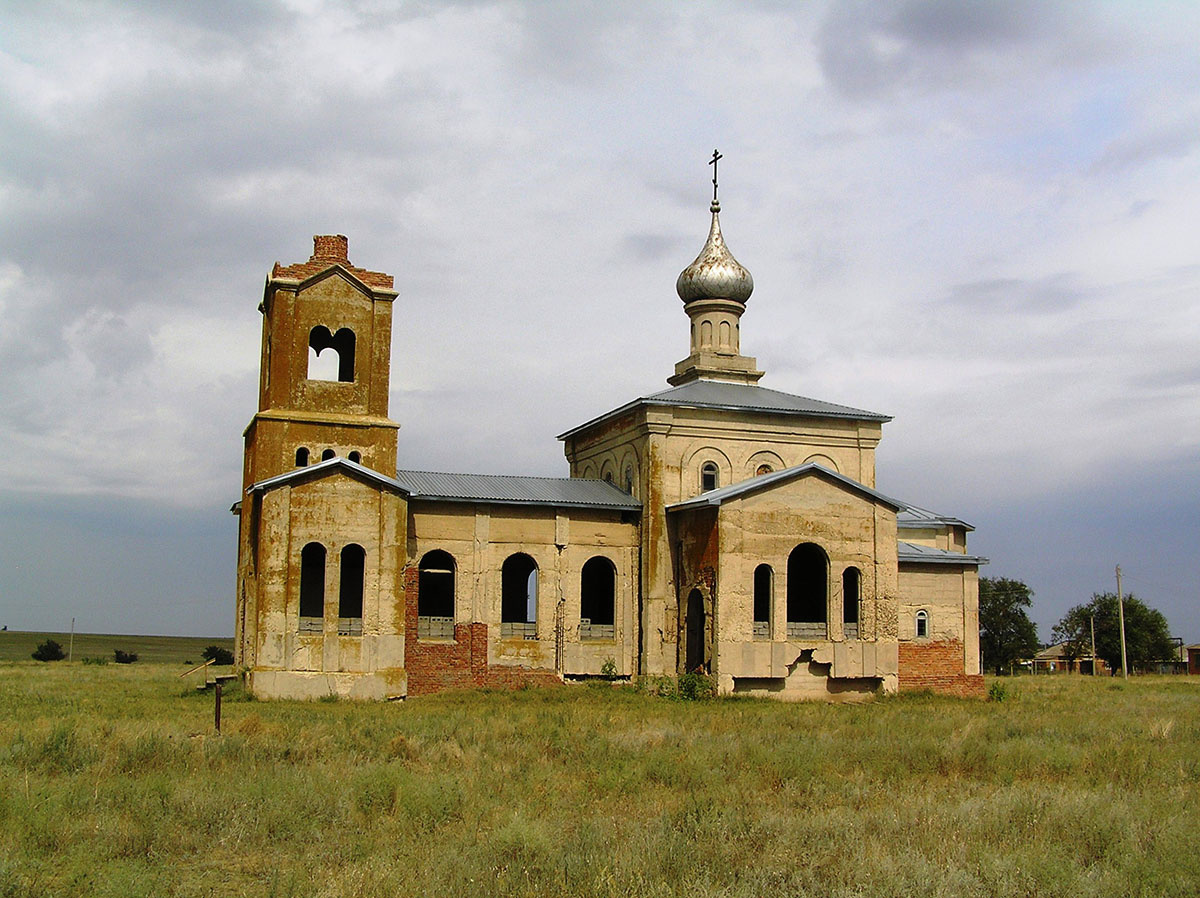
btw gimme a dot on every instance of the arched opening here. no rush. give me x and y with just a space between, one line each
518 597
723 330
629 480
694 657
808 592
350 591
762 469
710 476
435 596
851 580
764 591
327 454
312 588
922 625
355 457
331 355
301 456
597 599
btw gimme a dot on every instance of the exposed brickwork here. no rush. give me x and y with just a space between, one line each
462 664
328 251
938 667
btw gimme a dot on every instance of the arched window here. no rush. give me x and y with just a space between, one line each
629 480
608 478
808 592
762 469
435 596
710 476
312 588
355 457
597 599
331 356
518 597
327 454
764 591
851 580
694 650
350 592
301 456
922 627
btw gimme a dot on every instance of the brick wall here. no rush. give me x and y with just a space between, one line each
462 664
938 667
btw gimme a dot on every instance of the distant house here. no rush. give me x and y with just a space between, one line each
1193 659
1054 659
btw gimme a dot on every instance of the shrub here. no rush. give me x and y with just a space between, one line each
49 651
695 686
217 655
95 660
608 669
124 657
998 692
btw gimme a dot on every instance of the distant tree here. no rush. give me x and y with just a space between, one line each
124 657
49 651
1006 634
217 655
1147 636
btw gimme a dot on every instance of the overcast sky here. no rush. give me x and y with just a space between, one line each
977 217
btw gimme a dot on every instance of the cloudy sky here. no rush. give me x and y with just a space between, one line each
977 217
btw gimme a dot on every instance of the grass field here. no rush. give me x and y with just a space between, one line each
17 645
113 783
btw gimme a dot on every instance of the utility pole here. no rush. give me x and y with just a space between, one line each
1121 612
71 642
1093 645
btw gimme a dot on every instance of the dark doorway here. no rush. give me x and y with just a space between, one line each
807 592
695 631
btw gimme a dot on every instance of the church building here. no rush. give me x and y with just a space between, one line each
716 526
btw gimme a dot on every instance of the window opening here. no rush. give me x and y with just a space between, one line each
608 478
518 597
694 658
763 593
597 599
331 355
327 454
851 588
301 456
709 476
435 596
355 456
312 588
922 625
807 592
629 481
763 469
350 591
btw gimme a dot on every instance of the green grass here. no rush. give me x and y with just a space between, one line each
113 783
18 645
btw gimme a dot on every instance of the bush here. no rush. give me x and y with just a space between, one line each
124 657
696 687
95 660
998 692
217 655
608 669
49 651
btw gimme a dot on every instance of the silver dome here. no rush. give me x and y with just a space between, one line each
715 274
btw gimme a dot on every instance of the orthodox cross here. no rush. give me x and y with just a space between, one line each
713 163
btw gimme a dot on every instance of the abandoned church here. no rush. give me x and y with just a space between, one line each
716 525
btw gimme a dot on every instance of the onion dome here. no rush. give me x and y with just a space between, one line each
715 274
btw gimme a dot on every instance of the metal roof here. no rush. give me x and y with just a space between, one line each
765 481
929 555
322 467
738 397
912 517
567 492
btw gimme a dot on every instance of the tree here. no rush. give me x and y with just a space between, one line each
49 651
1006 633
217 655
1147 636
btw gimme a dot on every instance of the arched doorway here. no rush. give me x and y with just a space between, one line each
694 651
808 592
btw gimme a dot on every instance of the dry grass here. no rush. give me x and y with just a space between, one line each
111 783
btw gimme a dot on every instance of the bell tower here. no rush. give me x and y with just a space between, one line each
325 365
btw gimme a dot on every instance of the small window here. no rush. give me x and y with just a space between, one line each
922 628
518 597
355 456
851 580
327 454
763 469
764 589
608 478
710 477
629 481
435 596
301 456
350 592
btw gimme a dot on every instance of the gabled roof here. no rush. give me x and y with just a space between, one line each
913 517
328 466
502 489
737 397
766 481
915 553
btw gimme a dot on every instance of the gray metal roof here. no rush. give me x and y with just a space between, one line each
765 481
323 467
509 490
912 552
738 397
913 517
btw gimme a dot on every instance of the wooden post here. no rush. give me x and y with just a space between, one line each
217 709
